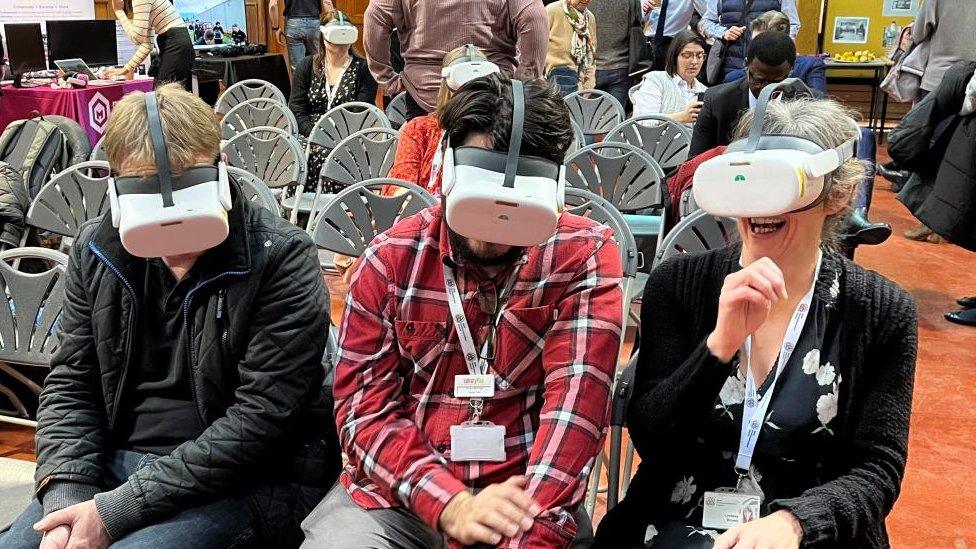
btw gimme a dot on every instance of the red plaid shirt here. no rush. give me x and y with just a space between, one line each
555 354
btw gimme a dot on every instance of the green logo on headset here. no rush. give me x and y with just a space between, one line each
739 179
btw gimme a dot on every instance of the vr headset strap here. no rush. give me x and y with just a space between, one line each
515 141
756 129
159 150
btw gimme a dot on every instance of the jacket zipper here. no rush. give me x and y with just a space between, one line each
128 343
189 337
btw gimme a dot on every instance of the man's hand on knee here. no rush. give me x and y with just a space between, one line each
87 531
499 511
56 538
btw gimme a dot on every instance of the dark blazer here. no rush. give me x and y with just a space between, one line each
724 104
809 68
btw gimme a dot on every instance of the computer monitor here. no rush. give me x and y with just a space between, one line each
92 40
25 49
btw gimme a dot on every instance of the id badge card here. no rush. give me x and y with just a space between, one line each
725 508
482 441
474 386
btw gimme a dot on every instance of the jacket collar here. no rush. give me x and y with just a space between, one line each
233 254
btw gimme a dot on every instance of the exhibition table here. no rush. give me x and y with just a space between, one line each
90 106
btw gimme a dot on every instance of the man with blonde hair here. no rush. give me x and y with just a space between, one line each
185 405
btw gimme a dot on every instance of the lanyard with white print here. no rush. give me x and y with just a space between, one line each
478 385
435 164
753 407
332 90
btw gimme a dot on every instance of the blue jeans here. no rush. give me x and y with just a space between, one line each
867 149
223 524
564 78
301 38
616 82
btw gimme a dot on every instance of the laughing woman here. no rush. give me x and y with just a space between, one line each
784 331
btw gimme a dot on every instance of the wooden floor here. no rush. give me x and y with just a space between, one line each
937 507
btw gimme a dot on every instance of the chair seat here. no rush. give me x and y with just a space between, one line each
644 225
305 204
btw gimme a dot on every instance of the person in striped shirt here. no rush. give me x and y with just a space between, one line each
141 19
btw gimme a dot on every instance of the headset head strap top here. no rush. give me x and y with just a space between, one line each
759 117
159 149
515 141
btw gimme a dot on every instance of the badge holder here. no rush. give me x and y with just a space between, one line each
725 508
477 440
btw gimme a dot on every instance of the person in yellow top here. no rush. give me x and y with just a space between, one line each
140 19
572 45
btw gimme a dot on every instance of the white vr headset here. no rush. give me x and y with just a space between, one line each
502 197
160 215
467 68
340 31
768 175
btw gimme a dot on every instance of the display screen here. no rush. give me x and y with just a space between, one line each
93 41
25 48
219 16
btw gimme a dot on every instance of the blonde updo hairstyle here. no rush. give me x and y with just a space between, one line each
828 124
445 94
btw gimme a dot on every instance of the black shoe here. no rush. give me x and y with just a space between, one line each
861 231
966 318
967 302
898 178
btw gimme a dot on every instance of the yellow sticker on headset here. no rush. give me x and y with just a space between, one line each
801 176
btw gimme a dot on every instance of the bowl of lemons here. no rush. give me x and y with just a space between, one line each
860 56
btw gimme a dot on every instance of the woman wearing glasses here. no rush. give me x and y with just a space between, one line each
674 91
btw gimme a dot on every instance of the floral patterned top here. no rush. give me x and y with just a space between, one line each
796 430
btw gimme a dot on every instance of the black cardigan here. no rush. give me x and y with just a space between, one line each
678 380
302 81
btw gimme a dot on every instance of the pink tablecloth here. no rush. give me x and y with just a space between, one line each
89 106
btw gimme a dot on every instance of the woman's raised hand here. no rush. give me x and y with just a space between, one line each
744 304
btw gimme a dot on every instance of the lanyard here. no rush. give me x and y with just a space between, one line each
435 164
753 407
330 90
477 364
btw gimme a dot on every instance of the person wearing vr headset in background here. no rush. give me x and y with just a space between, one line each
513 34
419 155
478 346
299 33
774 375
185 405
334 75
572 45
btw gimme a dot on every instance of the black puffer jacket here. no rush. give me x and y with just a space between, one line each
256 372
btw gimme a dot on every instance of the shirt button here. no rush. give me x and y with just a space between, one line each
442 448
410 328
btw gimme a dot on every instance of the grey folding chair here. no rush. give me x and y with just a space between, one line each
248 89
254 189
596 112
622 389
665 140
98 151
344 120
366 154
697 233
632 92
71 198
396 111
28 327
351 220
620 173
687 204
579 140
257 112
586 204
271 154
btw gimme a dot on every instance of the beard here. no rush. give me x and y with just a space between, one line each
464 251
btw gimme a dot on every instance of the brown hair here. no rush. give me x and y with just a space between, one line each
681 40
828 124
771 20
189 126
445 94
319 61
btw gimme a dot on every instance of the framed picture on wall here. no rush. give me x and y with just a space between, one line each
851 30
900 8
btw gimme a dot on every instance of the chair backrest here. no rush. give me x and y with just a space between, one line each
98 151
248 89
586 204
579 140
70 198
271 154
699 232
665 140
344 120
396 111
622 174
254 189
28 326
257 112
596 114
356 215
632 91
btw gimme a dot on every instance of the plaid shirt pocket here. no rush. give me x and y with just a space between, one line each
519 344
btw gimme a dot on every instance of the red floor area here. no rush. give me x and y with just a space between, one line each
937 507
